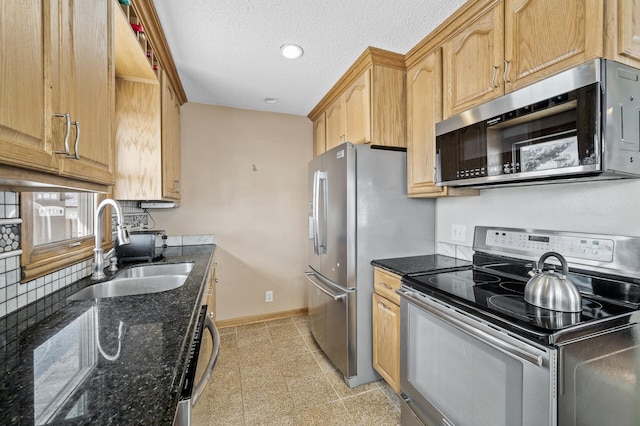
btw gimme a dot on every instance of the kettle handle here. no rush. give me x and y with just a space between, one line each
563 262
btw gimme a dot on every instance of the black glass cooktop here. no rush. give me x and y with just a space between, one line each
503 296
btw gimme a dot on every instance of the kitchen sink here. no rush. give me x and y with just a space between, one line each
138 280
154 270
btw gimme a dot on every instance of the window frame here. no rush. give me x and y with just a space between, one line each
36 262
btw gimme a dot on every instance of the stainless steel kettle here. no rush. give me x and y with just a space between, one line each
551 290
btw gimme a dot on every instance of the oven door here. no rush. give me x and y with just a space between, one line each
458 370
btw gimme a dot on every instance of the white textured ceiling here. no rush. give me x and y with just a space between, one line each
227 52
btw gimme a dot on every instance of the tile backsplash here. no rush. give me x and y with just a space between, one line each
14 295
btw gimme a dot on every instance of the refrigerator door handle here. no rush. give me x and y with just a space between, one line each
319 248
316 188
325 204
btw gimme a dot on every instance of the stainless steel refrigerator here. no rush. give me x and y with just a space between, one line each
358 211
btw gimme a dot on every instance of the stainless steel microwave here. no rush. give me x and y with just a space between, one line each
578 124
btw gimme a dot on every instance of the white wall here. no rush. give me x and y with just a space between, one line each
611 207
258 217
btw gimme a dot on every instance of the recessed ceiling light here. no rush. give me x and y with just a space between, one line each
271 100
291 51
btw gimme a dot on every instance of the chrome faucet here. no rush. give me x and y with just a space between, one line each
123 236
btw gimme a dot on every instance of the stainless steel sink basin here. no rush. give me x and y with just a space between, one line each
138 280
154 270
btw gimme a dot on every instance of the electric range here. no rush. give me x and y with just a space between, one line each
469 340
487 289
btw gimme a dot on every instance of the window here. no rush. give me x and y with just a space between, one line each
59 216
57 230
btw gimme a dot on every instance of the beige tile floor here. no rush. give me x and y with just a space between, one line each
273 373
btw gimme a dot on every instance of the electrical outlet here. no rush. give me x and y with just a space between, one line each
268 296
458 232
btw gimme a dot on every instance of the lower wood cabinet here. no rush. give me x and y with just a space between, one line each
386 327
211 291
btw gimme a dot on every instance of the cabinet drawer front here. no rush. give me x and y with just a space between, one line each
385 283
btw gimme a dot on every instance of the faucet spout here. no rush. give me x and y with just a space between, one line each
123 236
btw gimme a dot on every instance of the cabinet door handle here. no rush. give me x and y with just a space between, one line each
77 141
493 79
67 118
506 70
383 306
176 186
385 285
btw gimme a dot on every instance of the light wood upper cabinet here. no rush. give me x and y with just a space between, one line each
319 138
424 110
512 43
367 105
56 62
349 117
147 141
148 99
543 37
334 116
138 141
25 109
171 169
84 86
472 60
622 37
357 110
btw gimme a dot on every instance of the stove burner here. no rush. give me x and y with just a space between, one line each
482 278
515 306
513 286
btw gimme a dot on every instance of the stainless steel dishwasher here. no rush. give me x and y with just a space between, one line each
205 349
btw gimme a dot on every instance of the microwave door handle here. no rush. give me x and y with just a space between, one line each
476 333
322 177
210 325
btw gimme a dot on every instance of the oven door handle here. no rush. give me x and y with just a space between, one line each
210 325
319 286
484 337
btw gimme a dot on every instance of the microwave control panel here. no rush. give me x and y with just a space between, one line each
587 248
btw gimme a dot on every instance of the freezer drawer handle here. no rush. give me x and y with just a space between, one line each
486 338
335 297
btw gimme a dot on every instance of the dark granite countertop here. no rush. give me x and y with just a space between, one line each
419 264
84 374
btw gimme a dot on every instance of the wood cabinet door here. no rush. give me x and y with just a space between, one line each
334 122
357 110
543 37
25 108
424 110
386 340
139 159
628 29
171 150
319 136
85 90
473 62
